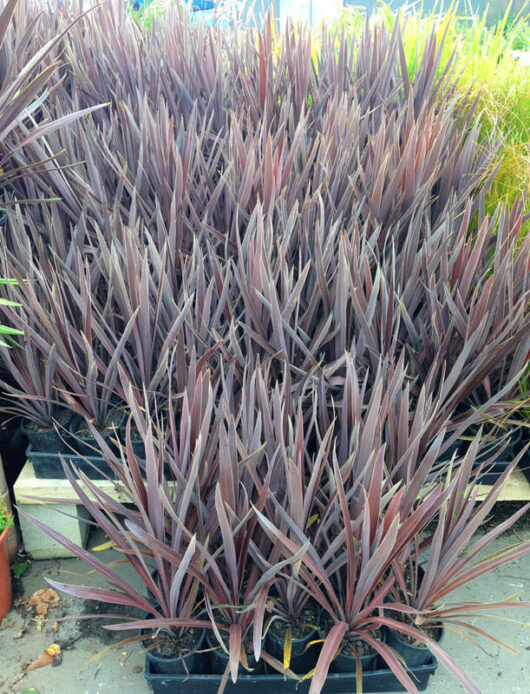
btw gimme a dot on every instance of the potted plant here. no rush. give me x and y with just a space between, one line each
417 608
196 581
292 615
171 622
346 567
6 522
34 398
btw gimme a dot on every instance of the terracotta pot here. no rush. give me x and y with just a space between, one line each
5 577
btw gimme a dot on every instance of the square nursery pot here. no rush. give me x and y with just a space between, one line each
379 680
49 465
303 656
494 470
50 440
86 444
524 463
414 656
180 665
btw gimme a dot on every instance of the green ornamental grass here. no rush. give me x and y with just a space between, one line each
487 71
6 519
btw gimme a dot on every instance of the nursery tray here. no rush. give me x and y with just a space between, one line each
49 465
339 683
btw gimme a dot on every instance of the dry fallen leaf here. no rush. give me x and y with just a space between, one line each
20 633
46 657
18 677
42 600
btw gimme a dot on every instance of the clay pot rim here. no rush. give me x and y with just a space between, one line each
3 534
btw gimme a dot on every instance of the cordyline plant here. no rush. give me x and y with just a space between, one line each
160 520
24 80
194 512
237 119
351 576
58 315
239 574
345 568
282 268
33 397
420 599
267 160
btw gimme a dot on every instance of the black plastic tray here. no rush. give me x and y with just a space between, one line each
373 681
49 465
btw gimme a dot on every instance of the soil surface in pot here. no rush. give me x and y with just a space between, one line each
173 646
111 425
61 418
135 434
300 628
351 645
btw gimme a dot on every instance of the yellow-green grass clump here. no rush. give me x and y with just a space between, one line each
486 69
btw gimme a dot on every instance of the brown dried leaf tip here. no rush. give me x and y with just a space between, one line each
48 656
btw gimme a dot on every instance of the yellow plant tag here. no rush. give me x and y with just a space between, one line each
106 545
287 648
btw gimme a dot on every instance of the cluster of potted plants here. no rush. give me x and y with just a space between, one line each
298 564
261 288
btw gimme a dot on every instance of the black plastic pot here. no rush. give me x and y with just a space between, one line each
381 680
412 655
138 447
494 448
348 663
179 665
87 445
219 659
49 466
524 463
48 440
303 659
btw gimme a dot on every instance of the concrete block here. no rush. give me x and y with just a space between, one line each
38 544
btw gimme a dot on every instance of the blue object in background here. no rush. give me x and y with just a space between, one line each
196 5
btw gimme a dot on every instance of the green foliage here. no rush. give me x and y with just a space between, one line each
6 519
6 331
20 568
152 12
